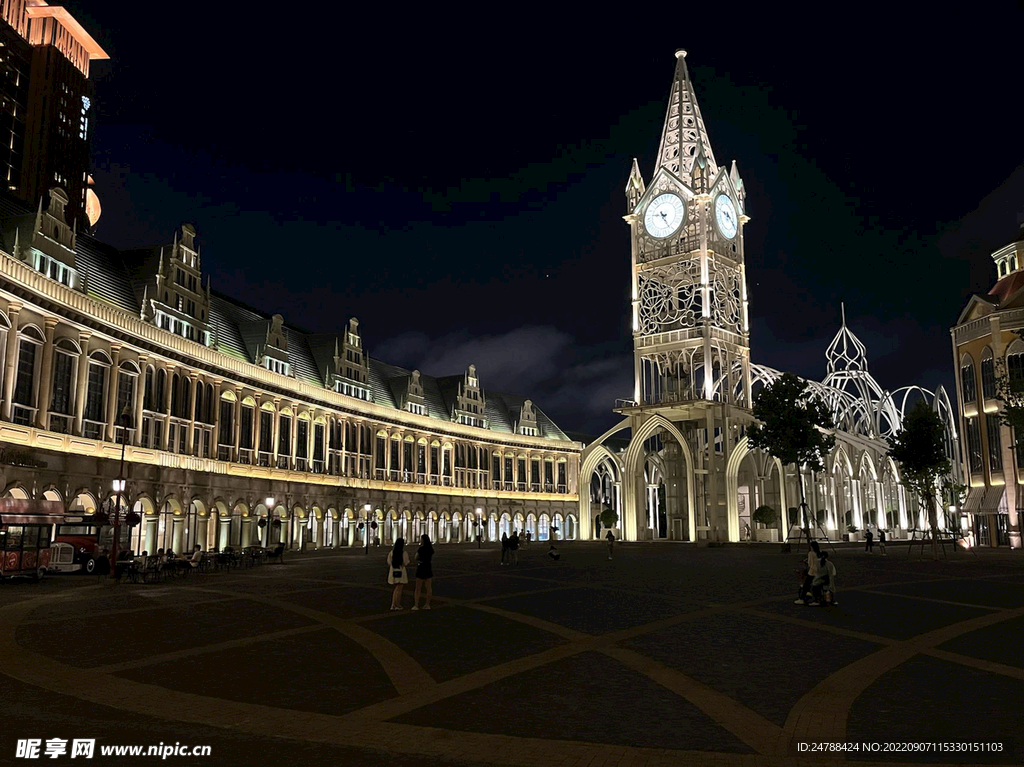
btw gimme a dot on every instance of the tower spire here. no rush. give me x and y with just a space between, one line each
683 136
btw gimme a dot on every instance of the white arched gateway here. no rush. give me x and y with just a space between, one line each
665 494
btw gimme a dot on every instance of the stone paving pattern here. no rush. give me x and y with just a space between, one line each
667 655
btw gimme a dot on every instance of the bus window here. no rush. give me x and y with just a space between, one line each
14 533
3 540
30 540
44 537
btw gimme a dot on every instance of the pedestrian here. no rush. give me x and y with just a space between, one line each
529 537
424 573
504 548
869 541
610 537
810 571
881 541
824 584
398 560
553 552
513 548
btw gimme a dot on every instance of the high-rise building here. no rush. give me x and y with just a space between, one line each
46 105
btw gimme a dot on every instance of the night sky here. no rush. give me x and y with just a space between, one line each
456 182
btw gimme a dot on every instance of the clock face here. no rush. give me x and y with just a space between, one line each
664 215
725 216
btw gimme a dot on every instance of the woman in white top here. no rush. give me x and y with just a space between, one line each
813 557
398 560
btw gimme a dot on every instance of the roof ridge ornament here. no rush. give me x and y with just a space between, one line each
846 352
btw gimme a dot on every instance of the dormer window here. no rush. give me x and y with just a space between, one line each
529 431
56 270
350 389
418 409
276 366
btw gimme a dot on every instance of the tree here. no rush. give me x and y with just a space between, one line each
764 515
1010 391
609 517
919 449
793 425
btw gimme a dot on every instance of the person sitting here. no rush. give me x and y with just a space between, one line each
197 556
824 584
553 553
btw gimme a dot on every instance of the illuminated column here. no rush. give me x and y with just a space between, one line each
215 437
275 431
10 362
166 405
45 375
177 533
151 529
237 425
246 533
203 531
140 393
335 532
294 435
112 383
81 382
193 378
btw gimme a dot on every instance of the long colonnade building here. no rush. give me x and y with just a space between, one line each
222 406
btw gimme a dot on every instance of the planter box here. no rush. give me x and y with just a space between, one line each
855 537
769 536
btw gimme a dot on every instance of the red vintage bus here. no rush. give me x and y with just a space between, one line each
80 539
26 530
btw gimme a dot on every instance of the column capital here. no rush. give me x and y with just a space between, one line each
51 322
14 307
84 335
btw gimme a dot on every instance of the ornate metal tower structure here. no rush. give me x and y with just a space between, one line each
690 329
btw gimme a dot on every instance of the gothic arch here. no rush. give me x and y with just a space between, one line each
631 462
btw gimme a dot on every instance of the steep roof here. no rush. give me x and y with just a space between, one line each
113 276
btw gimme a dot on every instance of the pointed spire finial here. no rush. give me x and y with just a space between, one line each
684 132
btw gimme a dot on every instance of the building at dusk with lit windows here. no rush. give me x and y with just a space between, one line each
224 406
46 106
986 346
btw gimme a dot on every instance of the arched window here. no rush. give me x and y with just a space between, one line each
988 374
198 413
1015 361
175 397
967 383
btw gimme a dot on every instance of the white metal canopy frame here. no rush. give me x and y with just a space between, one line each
866 417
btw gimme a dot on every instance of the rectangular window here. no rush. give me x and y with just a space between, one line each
125 392
245 436
318 442
227 431
26 372
995 451
94 395
266 431
63 372
988 378
284 436
973 445
435 465
302 441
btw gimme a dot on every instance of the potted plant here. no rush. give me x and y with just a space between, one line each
765 517
853 533
609 518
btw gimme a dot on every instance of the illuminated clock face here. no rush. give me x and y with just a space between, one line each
664 215
725 216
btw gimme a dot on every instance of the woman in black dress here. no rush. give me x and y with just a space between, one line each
424 573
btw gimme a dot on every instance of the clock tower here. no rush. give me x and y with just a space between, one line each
691 340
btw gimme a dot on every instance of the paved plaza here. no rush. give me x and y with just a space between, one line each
669 654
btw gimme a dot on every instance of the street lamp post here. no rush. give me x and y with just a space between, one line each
479 526
269 503
119 488
366 529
